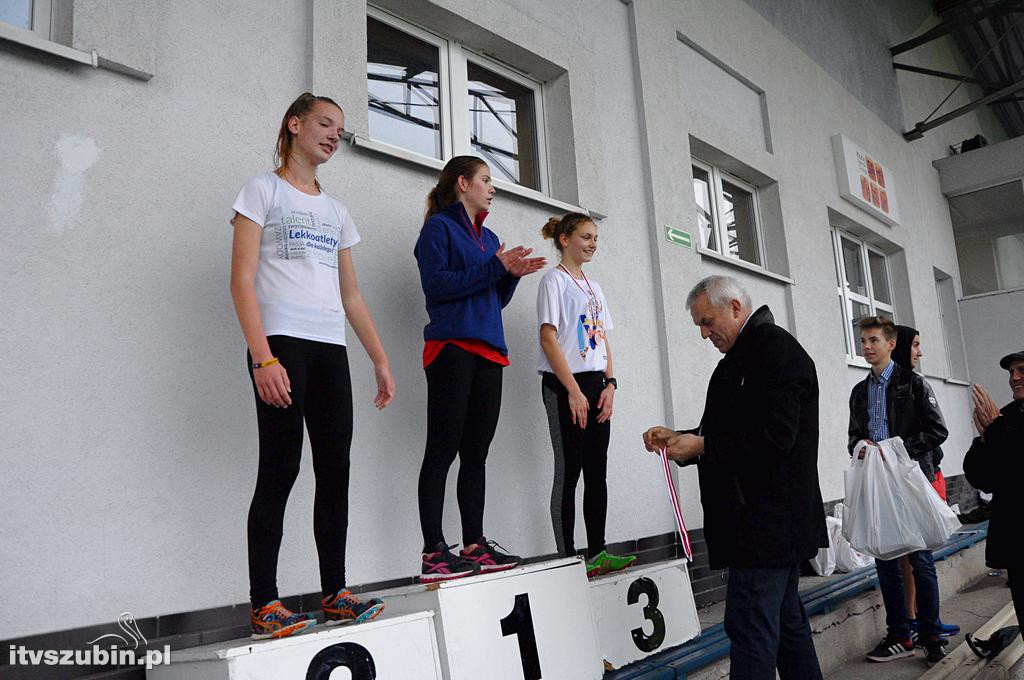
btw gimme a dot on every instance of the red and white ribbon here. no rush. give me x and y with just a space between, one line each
674 498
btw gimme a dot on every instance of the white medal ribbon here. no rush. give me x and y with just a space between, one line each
674 499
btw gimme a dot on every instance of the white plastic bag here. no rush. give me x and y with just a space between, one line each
847 559
936 520
892 510
824 563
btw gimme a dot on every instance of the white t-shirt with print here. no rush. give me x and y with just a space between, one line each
579 323
297 279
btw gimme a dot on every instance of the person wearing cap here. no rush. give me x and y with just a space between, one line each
995 464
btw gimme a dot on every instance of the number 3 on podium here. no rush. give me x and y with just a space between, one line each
647 643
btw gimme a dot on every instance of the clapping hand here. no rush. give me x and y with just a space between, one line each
516 261
985 410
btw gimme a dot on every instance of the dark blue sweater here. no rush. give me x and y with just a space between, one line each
465 284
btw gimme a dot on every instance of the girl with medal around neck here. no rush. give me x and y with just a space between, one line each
294 284
468 277
578 388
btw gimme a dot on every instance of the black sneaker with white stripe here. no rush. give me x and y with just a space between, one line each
934 651
890 649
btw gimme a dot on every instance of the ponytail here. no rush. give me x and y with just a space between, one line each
299 108
444 192
556 227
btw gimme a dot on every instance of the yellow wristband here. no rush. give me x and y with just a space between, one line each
264 364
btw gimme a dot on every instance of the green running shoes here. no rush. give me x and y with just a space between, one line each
603 563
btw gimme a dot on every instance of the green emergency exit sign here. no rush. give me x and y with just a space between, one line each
678 237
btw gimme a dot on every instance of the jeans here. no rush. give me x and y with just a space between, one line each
767 625
890 582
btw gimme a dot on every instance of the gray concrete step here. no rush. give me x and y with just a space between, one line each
970 608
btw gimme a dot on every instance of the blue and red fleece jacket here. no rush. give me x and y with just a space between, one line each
466 286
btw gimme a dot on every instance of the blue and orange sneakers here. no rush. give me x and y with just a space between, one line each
488 557
344 607
273 620
443 565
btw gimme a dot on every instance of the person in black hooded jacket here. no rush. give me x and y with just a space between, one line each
907 355
756 451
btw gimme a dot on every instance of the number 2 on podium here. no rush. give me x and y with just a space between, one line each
519 622
356 658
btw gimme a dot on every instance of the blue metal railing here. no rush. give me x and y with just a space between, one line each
712 644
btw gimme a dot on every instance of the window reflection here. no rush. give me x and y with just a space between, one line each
502 126
740 226
859 310
705 218
854 270
879 283
404 89
17 12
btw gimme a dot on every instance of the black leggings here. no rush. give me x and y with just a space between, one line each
463 401
322 396
577 450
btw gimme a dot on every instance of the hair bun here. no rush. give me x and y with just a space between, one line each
550 227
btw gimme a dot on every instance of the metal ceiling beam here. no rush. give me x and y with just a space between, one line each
948 26
951 76
924 126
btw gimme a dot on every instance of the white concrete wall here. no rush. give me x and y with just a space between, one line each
129 452
994 322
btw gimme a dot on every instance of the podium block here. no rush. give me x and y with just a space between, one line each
529 623
643 610
388 648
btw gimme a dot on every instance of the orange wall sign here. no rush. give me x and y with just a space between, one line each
864 181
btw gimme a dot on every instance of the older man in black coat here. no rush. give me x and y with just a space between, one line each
756 451
995 463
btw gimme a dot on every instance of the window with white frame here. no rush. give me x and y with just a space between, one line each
436 98
864 285
30 15
952 333
727 214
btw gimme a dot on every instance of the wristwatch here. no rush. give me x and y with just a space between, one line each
611 381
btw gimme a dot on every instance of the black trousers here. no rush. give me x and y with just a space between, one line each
577 450
767 626
1015 577
322 398
463 402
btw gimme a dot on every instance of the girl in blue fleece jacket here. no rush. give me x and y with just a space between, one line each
468 277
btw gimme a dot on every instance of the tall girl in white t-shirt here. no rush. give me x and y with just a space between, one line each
294 284
578 388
